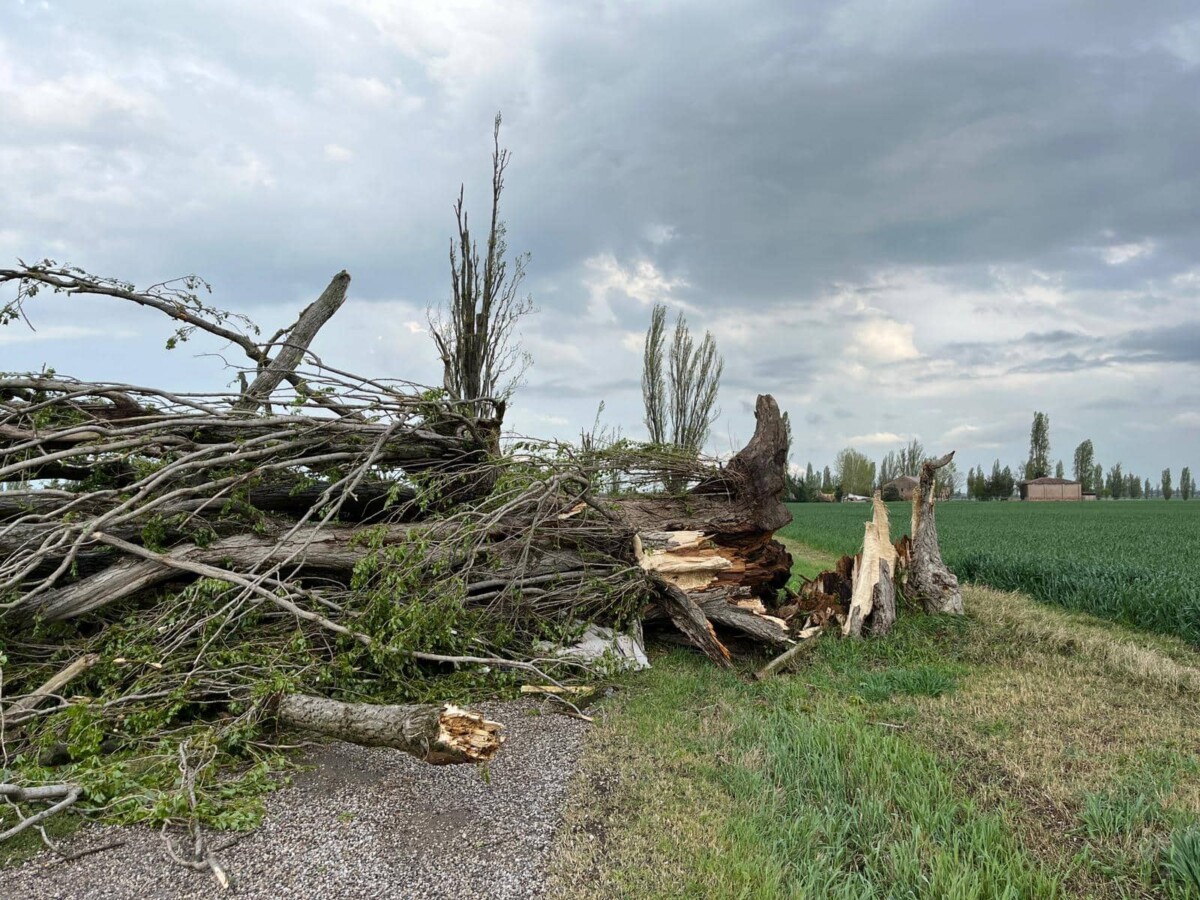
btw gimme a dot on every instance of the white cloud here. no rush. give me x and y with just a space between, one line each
338 153
607 279
1190 419
884 341
877 439
961 432
68 103
1119 254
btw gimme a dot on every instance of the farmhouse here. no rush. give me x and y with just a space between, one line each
1050 489
904 485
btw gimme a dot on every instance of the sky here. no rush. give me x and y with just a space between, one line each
920 219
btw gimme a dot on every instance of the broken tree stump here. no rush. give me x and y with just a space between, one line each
928 578
715 543
873 601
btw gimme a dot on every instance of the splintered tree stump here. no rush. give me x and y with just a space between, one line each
928 578
440 735
714 545
873 601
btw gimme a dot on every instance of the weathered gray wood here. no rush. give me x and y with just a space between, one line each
883 611
717 607
328 548
439 735
299 336
928 577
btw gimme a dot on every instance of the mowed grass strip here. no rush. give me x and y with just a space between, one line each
1019 752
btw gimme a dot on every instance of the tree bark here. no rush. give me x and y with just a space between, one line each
928 577
440 735
331 548
689 619
299 336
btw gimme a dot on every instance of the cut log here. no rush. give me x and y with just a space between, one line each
928 577
440 735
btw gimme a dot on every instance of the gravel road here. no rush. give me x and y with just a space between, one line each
365 822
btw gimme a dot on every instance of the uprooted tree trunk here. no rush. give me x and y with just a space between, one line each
440 735
715 543
928 577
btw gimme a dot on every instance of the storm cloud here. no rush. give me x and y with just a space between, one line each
923 219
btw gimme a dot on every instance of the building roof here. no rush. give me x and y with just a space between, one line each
1048 480
906 480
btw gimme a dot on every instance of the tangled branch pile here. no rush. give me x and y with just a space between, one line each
182 573
181 567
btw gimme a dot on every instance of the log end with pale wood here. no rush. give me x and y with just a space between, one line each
439 735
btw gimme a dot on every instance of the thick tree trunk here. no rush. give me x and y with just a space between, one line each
439 735
716 545
330 549
928 578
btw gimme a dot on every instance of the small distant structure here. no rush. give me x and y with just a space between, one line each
904 487
1089 495
855 498
1050 489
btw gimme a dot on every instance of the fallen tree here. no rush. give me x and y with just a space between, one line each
182 573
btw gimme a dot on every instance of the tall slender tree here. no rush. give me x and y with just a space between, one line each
1084 467
1038 465
1186 485
1059 471
680 403
481 357
1117 485
911 457
1167 490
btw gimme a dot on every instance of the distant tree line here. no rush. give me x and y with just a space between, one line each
855 473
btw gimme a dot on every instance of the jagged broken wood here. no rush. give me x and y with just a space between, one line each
440 735
873 599
712 549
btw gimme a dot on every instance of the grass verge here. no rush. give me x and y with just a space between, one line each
1019 752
